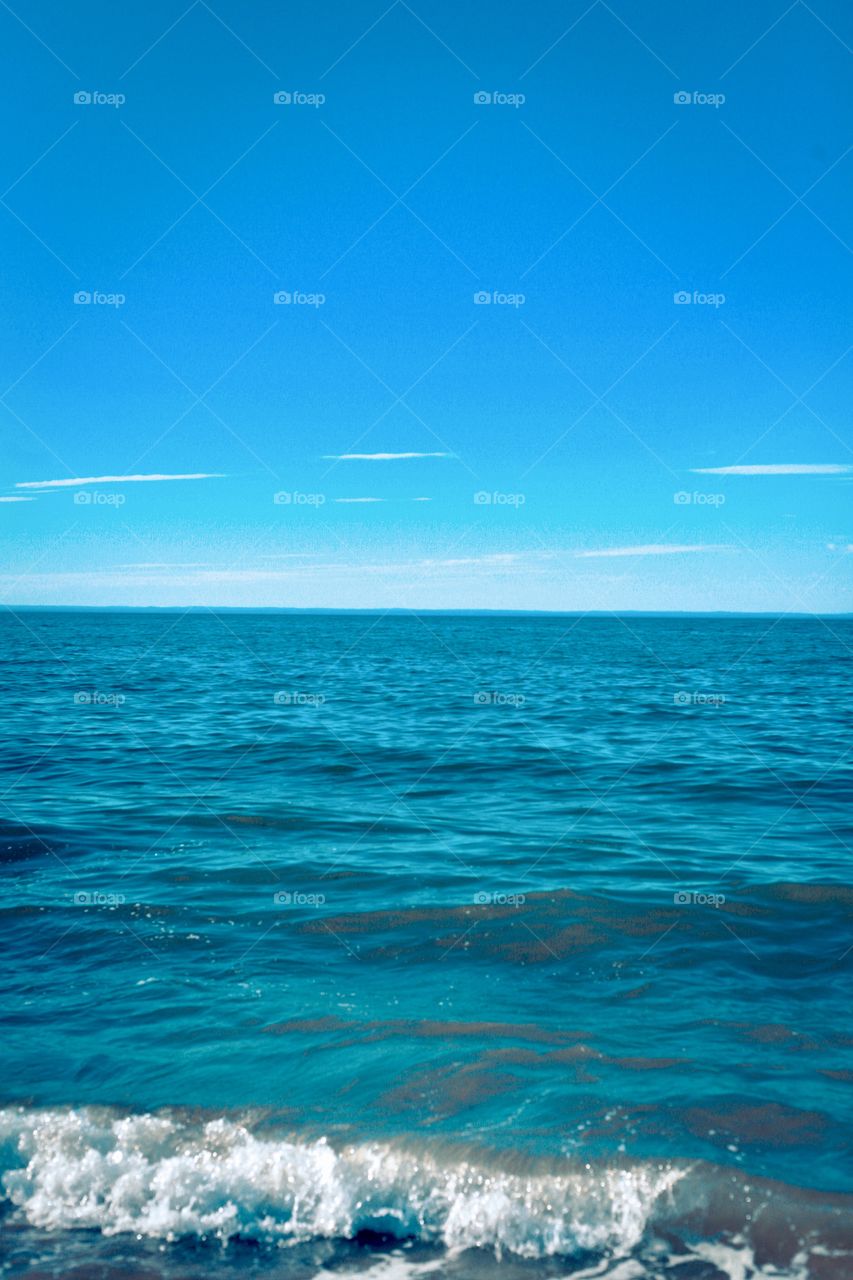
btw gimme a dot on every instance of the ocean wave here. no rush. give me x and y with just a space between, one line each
160 1176
174 1175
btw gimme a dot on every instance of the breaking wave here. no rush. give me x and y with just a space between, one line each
169 1176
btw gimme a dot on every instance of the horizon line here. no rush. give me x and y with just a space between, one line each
403 610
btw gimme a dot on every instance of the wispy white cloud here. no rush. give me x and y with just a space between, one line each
500 558
379 457
778 469
653 549
78 480
17 498
337 571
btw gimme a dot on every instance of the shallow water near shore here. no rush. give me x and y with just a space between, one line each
426 946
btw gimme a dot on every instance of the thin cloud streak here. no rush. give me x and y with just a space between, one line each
76 481
652 549
378 457
165 575
778 469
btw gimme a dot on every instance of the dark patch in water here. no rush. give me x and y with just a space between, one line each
770 1125
365 1032
445 1091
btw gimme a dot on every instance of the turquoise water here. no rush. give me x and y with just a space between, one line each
374 943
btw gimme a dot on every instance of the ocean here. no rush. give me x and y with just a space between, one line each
400 946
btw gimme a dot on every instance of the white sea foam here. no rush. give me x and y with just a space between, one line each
169 1176
164 1177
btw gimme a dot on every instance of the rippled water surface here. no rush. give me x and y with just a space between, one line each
376 945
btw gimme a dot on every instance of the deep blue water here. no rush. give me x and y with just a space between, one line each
525 932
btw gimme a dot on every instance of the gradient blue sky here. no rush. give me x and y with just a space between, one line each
581 412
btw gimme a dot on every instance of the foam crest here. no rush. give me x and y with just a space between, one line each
163 1177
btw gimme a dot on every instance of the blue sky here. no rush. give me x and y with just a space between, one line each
598 320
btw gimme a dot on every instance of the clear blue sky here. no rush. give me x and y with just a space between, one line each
580 411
